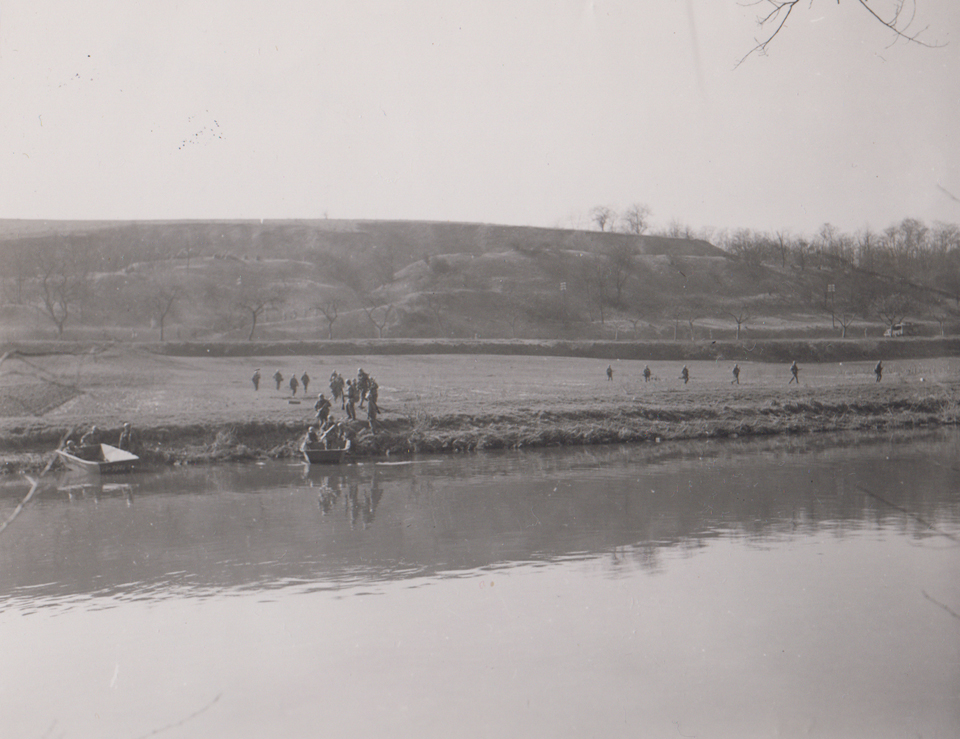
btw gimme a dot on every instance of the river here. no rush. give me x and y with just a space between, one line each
798 586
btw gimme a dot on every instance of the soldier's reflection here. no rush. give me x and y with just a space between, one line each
327 495
371 500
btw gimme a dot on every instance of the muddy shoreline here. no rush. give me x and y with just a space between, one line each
27 449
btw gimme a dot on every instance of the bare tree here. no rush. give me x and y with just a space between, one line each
845 320
893 16
63 278
620 266
636 218
22 264
893 309
783 246
256 306
941 318
381 322
597 280
161 303
602 215
435 304
329 310
741 317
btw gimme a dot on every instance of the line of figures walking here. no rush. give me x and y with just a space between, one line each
685 373
293 383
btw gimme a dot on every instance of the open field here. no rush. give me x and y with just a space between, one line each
191 409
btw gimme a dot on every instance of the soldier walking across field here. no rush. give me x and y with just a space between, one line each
305 381
278 378
685 375
294 385
736 375
795 371
647 373
878 370
609 373
256 379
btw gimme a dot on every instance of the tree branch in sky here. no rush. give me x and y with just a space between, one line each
779 11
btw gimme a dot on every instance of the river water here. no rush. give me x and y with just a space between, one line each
792 587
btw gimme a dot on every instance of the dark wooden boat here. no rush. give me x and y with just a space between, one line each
110 459
325 456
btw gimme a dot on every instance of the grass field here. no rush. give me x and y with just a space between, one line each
195 409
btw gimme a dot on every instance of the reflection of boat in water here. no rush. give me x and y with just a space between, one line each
78 485
109 460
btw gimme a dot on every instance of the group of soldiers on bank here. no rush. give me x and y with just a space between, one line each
685 373
364 389
350 393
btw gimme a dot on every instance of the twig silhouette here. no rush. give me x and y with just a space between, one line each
912 515
181 722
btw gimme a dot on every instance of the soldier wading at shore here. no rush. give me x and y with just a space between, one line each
256 379
278 378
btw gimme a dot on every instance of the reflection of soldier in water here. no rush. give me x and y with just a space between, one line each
371 500
351 504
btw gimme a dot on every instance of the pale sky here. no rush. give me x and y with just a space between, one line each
525 112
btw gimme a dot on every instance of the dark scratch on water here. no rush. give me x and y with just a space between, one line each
912 515
944 606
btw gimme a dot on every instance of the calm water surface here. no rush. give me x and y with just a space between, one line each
787 588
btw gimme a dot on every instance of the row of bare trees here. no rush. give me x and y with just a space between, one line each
635 219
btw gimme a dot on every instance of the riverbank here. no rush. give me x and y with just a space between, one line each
189 410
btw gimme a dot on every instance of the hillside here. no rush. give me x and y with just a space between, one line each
304 280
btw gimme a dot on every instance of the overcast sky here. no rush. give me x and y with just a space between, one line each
524 112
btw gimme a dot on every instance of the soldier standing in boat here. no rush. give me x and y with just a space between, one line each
90 444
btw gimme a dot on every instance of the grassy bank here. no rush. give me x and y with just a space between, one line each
768 350
200 409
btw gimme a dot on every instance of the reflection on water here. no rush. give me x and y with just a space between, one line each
682 580
204 529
